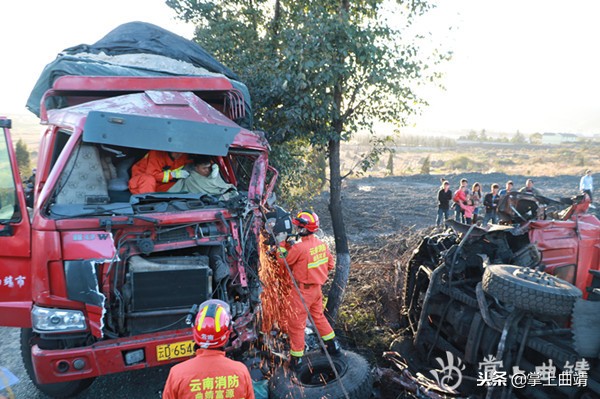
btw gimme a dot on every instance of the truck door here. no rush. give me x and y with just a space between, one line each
15 242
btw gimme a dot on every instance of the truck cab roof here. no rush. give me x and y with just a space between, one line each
177 104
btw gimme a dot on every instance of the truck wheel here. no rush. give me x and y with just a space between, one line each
316 380
59 390
530 290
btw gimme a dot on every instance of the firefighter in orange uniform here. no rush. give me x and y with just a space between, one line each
210 374
158 171
310 261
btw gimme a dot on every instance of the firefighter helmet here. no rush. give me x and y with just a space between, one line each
213 324
307 220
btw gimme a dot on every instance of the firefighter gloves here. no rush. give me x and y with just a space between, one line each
179 174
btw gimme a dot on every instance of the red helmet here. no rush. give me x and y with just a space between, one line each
308 220
213 324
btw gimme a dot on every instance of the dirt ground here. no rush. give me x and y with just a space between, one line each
375 207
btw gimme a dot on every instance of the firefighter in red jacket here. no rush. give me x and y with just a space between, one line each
310 261
158 171
210 374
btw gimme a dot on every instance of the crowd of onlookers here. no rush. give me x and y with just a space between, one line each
469 203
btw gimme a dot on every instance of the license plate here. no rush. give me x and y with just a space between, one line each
174 351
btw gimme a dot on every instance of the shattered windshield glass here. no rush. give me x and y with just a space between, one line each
97 181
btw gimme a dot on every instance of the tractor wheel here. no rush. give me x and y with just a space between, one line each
315 379
530 290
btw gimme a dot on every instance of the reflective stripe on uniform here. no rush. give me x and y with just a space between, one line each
297 353
329 336
318 263
166 175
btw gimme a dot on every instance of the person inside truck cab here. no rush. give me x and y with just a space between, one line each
158 171
205 178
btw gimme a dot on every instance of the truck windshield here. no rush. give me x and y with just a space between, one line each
100 179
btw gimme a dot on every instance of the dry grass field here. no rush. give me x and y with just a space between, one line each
486 158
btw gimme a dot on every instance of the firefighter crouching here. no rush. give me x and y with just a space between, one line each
310 261
210 374
158 171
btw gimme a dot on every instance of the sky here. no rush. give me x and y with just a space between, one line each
528 65
518 65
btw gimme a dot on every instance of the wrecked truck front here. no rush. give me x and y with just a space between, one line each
115 274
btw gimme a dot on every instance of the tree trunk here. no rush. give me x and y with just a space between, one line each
342 268
276 22
342 252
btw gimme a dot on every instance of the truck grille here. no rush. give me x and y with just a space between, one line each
169 282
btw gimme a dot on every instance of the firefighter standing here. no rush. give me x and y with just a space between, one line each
310 261
158 171
210 374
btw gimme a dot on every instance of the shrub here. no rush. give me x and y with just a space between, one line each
426 166
390 164
504 162
464 163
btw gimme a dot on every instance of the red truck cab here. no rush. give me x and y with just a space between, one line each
100 280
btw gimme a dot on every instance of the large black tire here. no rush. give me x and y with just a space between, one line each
59 390
530 290
315 378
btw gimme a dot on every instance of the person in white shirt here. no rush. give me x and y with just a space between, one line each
204 178
586 184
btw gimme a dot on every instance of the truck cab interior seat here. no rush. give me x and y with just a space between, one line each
83 180
118 187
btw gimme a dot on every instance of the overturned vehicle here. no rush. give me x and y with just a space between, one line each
511 310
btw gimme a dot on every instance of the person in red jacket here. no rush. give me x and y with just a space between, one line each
310 261
460 196
210 374
158 171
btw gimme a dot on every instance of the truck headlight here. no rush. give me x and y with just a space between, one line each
57 320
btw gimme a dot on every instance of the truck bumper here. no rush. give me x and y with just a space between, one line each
105 357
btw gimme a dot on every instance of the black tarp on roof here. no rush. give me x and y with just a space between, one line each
142 37
130 38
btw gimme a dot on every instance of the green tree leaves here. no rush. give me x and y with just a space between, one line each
23 159
318 70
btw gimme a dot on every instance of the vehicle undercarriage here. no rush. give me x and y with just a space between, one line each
484 299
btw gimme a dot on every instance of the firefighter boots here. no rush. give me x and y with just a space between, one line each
333 347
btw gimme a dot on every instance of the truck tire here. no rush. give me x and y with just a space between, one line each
59 390
315 378
530 290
